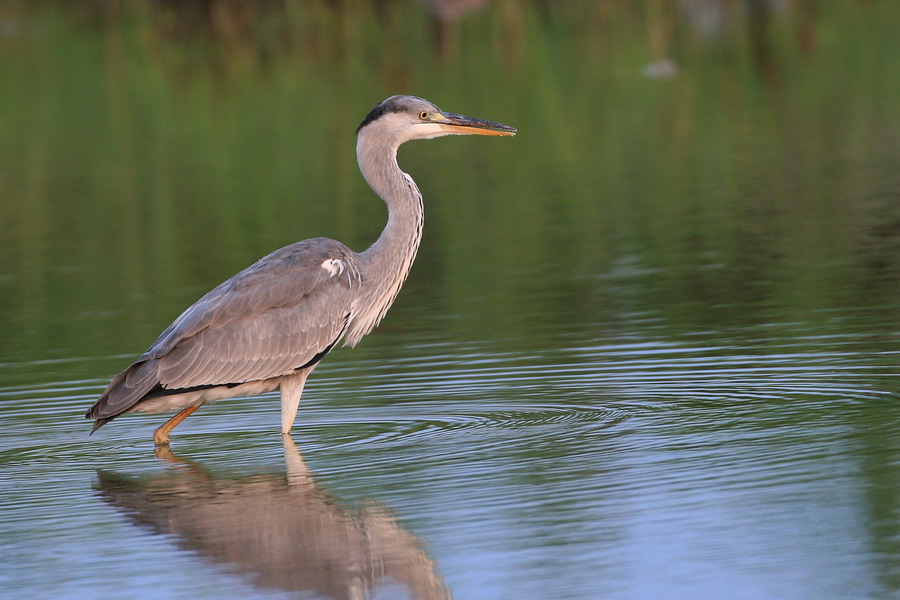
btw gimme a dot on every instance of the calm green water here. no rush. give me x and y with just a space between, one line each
650 347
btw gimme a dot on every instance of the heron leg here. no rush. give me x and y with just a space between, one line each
291 390
161 435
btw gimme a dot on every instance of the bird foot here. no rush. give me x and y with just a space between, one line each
161 435
161 438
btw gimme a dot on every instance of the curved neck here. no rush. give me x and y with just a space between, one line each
386 263
400 239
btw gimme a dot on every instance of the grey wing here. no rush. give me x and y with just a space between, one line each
273 342
280 314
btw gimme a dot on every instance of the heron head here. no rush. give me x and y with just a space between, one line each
405 118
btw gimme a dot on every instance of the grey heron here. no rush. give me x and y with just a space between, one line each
267 327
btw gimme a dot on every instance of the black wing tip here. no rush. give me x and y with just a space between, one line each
99 423
119 397
94 413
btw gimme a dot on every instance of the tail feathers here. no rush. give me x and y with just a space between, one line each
99 423
124 391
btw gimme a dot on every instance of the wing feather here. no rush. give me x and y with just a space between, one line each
125 390
268 320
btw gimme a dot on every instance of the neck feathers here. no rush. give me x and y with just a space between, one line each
386 263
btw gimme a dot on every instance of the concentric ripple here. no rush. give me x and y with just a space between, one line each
577 446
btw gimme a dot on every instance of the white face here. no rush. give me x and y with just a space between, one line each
418 119
407 126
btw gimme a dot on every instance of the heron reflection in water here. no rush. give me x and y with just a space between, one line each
284 532
268 327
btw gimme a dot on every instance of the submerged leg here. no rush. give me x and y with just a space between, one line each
291 390
161 435
165 453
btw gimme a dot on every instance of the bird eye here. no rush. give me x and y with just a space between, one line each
423 114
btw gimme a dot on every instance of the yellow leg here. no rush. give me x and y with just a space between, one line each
161 435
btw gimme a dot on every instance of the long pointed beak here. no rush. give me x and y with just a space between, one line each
469 126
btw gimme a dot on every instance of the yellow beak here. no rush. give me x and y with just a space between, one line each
460 124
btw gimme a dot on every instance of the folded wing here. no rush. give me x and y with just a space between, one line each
280 314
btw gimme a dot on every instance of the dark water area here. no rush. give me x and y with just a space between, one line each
649 348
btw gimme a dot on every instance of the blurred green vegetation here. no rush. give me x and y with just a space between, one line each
151 149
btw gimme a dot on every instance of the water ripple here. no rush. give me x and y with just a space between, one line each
415 398
568 446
